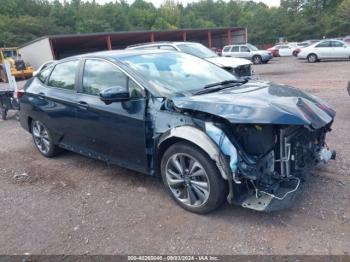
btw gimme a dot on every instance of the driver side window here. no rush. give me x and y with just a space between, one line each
99 75
245 49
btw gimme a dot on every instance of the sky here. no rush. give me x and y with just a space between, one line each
158 2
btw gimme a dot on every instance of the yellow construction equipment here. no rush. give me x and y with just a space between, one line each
19 69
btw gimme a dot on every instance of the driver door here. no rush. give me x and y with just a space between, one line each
245 52
112 132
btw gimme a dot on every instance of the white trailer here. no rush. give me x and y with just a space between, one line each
37 52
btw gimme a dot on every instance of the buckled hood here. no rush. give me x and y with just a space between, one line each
228 61
262 102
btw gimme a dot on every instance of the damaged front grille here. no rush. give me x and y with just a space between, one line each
244 70
298 149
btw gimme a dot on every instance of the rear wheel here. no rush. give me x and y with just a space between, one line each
192 178
3 113
312 58
257 60
3 76
43 140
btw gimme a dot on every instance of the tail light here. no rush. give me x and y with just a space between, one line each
19 93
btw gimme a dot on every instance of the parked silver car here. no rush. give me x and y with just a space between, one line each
247 51
326 49
239 67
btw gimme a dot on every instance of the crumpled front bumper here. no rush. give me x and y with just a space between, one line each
290 188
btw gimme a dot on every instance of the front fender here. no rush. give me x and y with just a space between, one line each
203 140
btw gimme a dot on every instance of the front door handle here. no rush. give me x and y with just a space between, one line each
83 105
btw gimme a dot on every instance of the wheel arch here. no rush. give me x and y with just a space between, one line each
197 137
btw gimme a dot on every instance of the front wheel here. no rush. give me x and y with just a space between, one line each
43 140
192 178
312 58
257 60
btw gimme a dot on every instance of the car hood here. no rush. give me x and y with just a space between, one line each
262 102
228 61
261 52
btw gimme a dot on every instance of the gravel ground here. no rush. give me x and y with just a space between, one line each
75 205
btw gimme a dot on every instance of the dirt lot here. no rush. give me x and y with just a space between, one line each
75 205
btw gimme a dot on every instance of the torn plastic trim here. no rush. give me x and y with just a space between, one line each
225 145
202 140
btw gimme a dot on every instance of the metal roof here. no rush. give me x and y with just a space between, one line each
62 36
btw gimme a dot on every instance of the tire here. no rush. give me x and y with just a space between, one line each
199 189
295 54
43 139
312 58
257 60
3 113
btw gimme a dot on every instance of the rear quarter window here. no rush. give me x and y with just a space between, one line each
43 75
226 49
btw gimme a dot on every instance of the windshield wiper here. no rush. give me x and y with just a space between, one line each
226 82
220 85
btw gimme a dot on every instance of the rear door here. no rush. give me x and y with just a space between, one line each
55 98
324 49
114 132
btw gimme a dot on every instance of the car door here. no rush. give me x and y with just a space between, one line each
55 100
245 52
113 132
234 52
323 50
340 50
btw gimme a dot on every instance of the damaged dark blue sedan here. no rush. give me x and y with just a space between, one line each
211 136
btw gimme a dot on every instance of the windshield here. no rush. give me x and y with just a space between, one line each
176 72
197 50
252 48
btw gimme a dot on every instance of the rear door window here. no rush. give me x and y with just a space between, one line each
337 44
324 44
226 49
63 75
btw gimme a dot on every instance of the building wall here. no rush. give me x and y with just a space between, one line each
37 53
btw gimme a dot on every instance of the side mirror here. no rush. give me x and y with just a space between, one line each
114 94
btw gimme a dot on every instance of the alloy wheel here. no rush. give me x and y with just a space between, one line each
41 137
187 180
312 58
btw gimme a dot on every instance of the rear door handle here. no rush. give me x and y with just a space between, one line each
83 105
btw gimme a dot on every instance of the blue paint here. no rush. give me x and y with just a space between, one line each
225 145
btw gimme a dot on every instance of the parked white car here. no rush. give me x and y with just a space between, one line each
285 50
326 49
237 66
247 51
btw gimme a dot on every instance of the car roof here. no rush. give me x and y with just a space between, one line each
161 42
117 54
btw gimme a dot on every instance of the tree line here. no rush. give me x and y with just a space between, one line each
25 20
